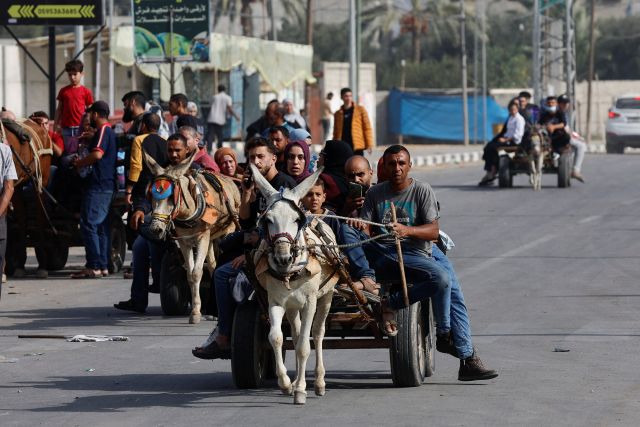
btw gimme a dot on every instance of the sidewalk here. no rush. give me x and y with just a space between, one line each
424 155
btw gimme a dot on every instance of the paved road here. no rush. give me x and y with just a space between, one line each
555 269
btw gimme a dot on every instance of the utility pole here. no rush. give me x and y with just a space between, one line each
476 47
98 79
172 62
309 22
463 53
274 28
79 42
353 56
537 86
591 66
112 90
403 64
483 28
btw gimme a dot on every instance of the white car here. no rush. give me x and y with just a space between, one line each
623 125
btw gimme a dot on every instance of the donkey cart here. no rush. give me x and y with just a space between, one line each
350 325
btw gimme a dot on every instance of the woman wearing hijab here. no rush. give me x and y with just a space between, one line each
227 161
333 157
296 157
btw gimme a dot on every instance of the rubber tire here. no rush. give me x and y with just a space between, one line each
250 350
175 296
118 239
57 255
505 177
407 350
430 339
613 147
565 165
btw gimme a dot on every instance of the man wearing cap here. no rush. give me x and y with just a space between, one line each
578 146
97 193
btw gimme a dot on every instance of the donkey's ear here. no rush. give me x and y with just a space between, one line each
154 167
261 182
182 167
303 188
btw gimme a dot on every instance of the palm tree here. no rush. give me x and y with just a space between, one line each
230 8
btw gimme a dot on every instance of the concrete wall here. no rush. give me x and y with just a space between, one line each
11 77
336 76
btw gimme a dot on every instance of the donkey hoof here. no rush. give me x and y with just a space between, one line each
320 391
300 397
287 391
194 320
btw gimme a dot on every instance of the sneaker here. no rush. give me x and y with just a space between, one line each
444 344
472 369
129 306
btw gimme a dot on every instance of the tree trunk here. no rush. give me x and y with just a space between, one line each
415 43
246 18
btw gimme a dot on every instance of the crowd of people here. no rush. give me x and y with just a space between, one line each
278 145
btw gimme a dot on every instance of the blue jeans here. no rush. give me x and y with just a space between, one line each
425 277
224 298
94 227
145 253
450 310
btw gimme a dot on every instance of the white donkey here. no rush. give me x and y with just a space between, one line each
298 278
536 157
199 213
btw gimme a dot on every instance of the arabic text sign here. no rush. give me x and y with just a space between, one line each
152 41
51 12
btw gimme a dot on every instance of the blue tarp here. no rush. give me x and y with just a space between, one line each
439 116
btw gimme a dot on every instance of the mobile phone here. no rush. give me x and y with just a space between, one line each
355 190
248 181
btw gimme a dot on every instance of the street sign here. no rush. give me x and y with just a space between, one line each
51 12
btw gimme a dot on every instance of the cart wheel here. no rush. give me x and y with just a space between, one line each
565 164
430 339
57 253
505 177
407 350
250 349
174 290
118 245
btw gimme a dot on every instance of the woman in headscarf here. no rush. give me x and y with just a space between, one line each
227 161
333 157
296 157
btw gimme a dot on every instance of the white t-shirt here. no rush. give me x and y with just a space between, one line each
219 104
515 128
7 168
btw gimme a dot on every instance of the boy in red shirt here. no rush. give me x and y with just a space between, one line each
72 102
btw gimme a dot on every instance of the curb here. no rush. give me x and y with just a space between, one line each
429 159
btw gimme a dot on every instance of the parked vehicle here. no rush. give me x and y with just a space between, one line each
623 124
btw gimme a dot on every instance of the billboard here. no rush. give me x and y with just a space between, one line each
155 21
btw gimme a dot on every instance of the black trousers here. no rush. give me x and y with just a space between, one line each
214 130
3 246
490 156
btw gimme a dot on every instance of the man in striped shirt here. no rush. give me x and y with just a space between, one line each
98 191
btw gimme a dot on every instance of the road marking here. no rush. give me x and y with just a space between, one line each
492 261
589 219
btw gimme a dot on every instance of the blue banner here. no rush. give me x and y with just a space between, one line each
439 116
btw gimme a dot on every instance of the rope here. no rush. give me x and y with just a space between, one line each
346 245
378 224
37 152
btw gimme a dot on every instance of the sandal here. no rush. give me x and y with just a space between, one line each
486 181
367 284
87 274
388 325
105 273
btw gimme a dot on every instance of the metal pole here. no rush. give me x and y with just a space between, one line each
79 42
403 64
358 49
96 91
537 89
483 29
592 49
274 28
172 69
52 71
112 86
476 46
352 49
463 54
